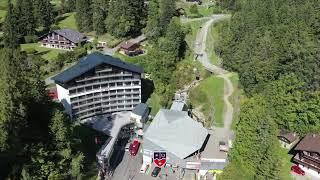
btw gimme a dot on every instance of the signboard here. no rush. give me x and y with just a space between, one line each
159 158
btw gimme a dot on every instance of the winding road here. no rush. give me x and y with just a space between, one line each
200 50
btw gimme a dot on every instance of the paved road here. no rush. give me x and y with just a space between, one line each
200 49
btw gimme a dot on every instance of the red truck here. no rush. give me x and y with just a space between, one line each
134 147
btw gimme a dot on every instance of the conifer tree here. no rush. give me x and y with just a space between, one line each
11 36
43 13
84 15
152 29
99 15
125 17
26 22
12 105
167 10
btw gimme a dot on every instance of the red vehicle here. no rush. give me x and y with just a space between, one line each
134 147
298 170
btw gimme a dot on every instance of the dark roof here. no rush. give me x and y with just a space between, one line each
72 35
290 136
140 109
89 62
128 45
311 143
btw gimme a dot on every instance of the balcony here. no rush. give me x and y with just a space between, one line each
308 161
99 83
103 96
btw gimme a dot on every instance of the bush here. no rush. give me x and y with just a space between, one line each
54 27
30 39
194 9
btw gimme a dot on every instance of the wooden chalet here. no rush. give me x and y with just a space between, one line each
63 39
308 152
130 48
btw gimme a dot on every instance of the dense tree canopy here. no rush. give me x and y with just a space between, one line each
84 15
125 17
274 45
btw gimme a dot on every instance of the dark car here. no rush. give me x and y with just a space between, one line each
298 170
155 172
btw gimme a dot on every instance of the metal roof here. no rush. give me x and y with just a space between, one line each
176 132
178 106
140 109
89 62
72 35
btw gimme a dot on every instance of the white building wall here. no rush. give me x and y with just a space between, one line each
64 98
137 120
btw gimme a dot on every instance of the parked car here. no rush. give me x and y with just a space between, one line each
127 147
155 172
296 169
134 147
223 146
144 168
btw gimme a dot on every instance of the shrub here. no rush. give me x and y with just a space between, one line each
194 9
30 39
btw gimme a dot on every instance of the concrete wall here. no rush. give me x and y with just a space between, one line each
64 98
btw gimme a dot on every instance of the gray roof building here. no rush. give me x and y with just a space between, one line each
141 109
176 133
72 35
178 106
91 61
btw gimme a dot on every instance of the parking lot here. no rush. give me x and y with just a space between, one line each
129 169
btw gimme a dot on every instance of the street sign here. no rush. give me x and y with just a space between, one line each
159 158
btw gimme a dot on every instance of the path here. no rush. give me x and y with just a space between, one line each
200 50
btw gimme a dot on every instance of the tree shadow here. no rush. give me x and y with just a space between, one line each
147 88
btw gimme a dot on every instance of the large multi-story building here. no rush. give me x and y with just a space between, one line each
99 84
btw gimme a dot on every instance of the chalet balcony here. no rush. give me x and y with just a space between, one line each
307 161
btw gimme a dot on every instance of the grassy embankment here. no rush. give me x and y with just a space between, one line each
208 96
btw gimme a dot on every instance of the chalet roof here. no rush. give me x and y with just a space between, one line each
290 136
72 35
127 45
91 61
311 143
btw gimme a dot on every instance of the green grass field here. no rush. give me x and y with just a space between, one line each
69 21
207 95
213 38
2 15
3 4
47 53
